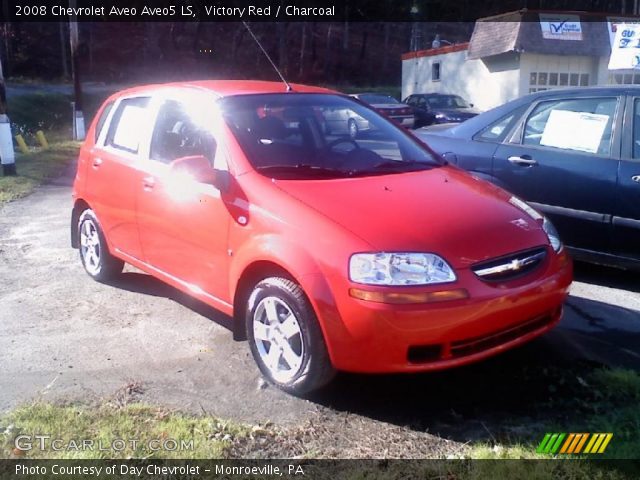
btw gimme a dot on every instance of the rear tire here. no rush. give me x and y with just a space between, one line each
285 338
94 252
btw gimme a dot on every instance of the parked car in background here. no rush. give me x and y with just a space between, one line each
573 154
430 108
328 252
343 121
388 106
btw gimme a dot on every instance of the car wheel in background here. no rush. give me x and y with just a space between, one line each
285 337
94 253
353 128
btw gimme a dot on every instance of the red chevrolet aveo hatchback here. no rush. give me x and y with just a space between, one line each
365 254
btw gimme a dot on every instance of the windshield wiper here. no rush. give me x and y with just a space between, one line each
301 168
391 166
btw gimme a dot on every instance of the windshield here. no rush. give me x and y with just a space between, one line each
372 98
447 101
308 135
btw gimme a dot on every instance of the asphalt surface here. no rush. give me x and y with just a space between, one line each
66 337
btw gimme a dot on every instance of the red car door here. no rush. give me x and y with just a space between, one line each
113 175
183 223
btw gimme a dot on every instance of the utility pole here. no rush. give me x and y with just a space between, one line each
78 118
7 155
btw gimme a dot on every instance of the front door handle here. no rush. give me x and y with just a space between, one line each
524 161
97 162
148 183
636 178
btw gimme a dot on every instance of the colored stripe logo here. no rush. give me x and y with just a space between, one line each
574 443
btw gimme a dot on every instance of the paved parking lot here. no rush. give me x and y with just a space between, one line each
63 336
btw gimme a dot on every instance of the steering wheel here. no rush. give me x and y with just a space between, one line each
340 140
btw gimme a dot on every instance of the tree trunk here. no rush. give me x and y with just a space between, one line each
75 60
327 53
281 28
63 51
385 59
363 49
313 42
303 45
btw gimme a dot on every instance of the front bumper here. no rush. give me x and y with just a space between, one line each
364 336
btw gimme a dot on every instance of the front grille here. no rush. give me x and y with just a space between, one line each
511 266
420 354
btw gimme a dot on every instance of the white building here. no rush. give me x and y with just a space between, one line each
518 53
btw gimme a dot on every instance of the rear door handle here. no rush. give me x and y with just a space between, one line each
524 161
148 183
97 162
636 178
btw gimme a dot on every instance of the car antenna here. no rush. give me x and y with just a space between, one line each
289 89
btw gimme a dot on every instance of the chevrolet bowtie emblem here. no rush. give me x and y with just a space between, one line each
516 264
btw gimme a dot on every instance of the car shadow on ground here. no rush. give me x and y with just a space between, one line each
146 284
607 276
510 398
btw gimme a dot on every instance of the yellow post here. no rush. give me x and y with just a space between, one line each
21 144
42 140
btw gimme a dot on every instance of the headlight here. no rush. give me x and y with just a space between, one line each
552 234
399 269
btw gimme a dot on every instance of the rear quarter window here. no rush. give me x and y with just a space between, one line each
124 131
102 119
498 130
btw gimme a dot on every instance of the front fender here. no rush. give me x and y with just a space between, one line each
274 249
304 270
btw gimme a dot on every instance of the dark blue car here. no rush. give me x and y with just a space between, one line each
432 108
574 154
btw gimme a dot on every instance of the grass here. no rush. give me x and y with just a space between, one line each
207 437
35 168
51 113
150 427
604 400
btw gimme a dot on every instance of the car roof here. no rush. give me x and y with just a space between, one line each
226 88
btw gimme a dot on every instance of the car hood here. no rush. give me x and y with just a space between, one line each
443 211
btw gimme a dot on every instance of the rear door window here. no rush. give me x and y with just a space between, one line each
580 124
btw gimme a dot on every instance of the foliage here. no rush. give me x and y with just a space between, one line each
36 168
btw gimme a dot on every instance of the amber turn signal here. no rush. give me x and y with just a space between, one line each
406 297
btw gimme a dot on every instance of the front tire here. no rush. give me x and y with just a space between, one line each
285 337
94 252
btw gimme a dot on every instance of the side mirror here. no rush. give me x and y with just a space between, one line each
450 157
200 169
